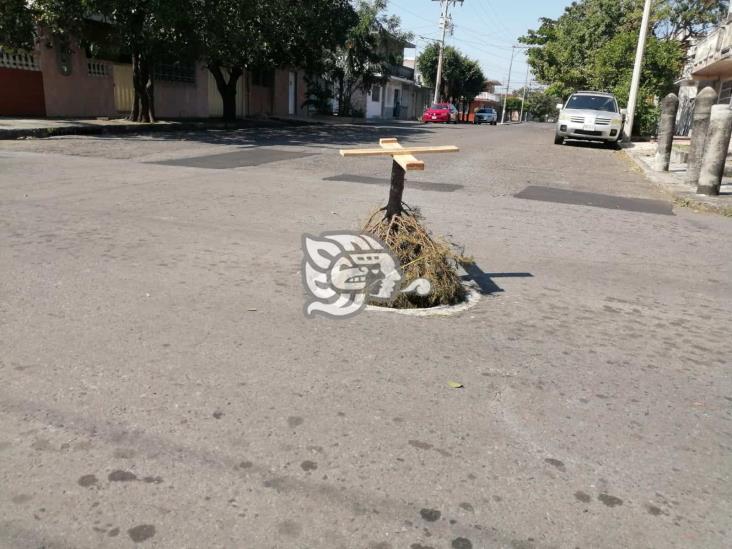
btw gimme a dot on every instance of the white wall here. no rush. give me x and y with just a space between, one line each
373 108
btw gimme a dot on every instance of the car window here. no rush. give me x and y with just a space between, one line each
482 111
592 102
438 107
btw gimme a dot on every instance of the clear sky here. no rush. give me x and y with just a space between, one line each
484 29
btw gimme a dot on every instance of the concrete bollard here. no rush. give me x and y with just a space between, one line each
699 129
715 150
666 130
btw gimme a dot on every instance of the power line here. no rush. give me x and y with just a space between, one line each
484 16
494 67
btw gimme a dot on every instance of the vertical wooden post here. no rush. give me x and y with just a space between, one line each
394 207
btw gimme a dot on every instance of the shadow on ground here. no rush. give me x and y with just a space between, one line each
303 136
581 144
485 280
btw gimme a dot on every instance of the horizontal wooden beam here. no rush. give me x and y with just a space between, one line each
405 150
406 161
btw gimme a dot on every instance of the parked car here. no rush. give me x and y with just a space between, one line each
441 112
592 116
485 116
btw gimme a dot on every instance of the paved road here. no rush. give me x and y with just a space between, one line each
160 385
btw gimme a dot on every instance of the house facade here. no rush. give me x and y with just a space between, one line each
709 63
402 97
56 82
397 99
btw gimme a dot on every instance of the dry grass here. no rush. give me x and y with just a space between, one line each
421 255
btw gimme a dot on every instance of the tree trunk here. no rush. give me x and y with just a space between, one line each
150 93
135 114
394 207
227 89
142 81
341 97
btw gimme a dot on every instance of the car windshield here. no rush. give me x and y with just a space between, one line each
438 107
592 102
482 111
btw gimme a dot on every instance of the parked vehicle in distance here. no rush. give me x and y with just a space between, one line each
591 116
441 112
485 116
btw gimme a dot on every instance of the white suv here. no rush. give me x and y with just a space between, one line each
589 115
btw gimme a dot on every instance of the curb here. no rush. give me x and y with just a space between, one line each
163 126
471 300
682 198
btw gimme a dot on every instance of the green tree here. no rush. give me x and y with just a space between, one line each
22 22
686 20
451 67
364 60
149 31
233 35
539 104
146 30
462 77
592 46
17 25
513 104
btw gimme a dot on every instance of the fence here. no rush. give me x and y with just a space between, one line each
22 60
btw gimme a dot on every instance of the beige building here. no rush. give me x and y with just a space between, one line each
709 64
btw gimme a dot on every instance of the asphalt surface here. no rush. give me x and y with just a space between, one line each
162 387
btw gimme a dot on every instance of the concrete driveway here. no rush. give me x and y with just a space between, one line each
161 385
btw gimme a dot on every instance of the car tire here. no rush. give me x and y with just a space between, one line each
558 140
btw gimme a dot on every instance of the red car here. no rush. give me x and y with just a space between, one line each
441 112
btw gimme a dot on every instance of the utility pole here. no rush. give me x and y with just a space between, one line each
444 23
523 99
633 98
508 85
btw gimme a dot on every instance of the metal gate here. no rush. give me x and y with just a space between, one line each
124 91
685 116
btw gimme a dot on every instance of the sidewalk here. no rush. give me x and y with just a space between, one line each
17 128
673 181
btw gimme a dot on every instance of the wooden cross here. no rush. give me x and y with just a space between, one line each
403 161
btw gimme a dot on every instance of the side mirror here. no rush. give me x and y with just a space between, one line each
559 106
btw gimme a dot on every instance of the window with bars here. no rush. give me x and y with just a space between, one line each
176 72
376 94
95 68
263 78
